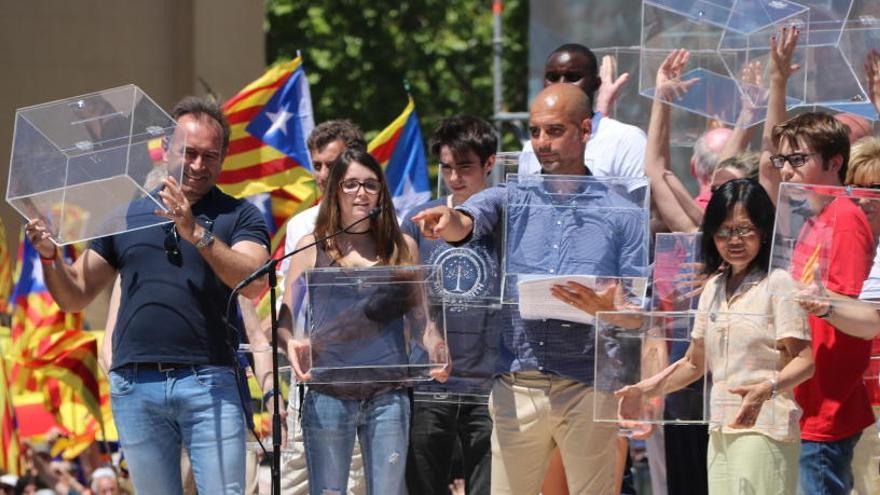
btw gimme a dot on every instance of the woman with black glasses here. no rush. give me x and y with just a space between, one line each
376 413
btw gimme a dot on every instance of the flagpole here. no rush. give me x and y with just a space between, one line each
498 79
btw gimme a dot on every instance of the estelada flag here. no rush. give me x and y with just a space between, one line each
399 148
270 120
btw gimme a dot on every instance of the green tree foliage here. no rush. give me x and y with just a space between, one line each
358 53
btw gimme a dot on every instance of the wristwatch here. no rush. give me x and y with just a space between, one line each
207 238
774 387
828 312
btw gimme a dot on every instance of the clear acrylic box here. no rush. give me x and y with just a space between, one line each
634 346
836 76
565 214
91 165
676 270
630 108
363 324
804 235
473 319
740 350
725 37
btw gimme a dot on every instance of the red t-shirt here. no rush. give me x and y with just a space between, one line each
835 401
871 376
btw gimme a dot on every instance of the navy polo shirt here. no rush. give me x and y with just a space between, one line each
172 305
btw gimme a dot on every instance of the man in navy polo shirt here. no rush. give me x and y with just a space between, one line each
172 380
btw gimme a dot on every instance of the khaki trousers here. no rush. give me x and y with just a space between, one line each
534 412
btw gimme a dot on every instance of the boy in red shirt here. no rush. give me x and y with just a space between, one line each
813 148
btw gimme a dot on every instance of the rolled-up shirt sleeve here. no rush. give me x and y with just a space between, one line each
486 209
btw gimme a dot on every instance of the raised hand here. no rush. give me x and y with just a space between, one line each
37 232
611 85
669 84
178 210
782 51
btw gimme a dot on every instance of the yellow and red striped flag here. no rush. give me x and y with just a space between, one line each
71 357
11 460
35 316
270 120
401 151
5 271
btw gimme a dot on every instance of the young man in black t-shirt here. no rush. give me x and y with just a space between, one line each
454 415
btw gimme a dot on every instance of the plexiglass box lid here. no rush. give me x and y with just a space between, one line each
92 165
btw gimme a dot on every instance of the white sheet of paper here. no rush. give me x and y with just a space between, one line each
536 302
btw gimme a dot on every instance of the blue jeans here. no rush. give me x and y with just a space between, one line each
826 467
157 412
329 429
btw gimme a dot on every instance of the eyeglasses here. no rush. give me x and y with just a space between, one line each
741 232
172 246
569 77
867 186
351 186
795 159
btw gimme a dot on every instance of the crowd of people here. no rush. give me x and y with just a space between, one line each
511 411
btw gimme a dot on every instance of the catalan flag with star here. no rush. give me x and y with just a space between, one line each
400 150
270 119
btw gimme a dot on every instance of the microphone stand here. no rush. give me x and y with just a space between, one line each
268 268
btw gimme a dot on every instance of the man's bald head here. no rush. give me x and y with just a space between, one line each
568 99
560 125
706 151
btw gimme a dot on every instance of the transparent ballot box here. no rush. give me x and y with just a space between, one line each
723 38
821 232
629 108
729 45
469 287
92 165
362 324
677 272
641 349
636 346
588 230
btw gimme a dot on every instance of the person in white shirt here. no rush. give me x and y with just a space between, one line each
615 149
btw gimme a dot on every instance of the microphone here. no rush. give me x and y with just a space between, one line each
270 265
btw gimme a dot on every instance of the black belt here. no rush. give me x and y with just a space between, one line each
160 367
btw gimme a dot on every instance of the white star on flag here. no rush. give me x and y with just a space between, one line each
279 121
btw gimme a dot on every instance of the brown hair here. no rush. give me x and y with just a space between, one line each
391 247
203 108
864 162
336 130
821 132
